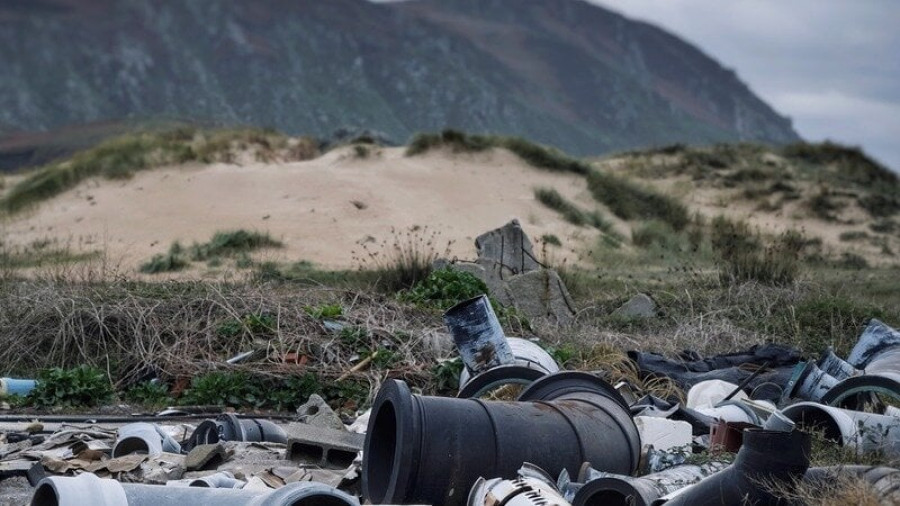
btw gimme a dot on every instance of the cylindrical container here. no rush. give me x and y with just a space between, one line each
531 362
808 382
145 438
222 479
478 335
231 428
13 386
432 450
732 411
836 366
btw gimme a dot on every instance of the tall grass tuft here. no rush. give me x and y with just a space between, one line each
403 260
632 202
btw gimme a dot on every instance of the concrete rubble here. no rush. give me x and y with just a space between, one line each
563 438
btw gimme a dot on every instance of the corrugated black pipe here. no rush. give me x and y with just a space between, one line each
432 450
767 460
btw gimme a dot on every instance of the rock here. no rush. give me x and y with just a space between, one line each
163 468
508 247
541 294
205 457
316 411
639 306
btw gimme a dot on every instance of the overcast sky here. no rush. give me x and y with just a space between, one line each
833 66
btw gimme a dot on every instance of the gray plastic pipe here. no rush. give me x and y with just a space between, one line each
143 437
478 335
532 487
836 366
732 411
222 479
231 428
878 353
87 488
869 352
808 382
530 363
618 490
865 431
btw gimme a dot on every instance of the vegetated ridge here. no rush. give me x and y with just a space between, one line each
561 72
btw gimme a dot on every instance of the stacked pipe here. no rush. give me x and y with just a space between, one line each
89 489
619 490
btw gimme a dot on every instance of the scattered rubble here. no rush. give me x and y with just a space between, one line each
557 438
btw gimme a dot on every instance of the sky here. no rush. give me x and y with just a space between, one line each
833 66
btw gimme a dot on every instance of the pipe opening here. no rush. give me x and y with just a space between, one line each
382 451
45 495
131 445
306 453
609 498
319 500
817 419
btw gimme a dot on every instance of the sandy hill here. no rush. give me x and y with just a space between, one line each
334 210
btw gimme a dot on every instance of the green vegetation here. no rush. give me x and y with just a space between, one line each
551 239
571 212
240 389
403 260
82 386
746 257
629 201
445 288
234 244
542 157
122 157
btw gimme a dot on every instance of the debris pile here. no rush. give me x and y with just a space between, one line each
520 432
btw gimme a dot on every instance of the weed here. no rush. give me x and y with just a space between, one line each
231 243
657 233
324 311
884 226
149 394
219 388
744 257
880 206
82 386
164 263
853 235
361 151
445 288
823 205
404 261
852 261
252 323
446 375
571 212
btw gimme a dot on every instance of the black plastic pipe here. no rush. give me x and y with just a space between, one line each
766 460
432 450
605 489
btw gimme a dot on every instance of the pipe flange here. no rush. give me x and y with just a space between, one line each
560 384
844 394
498 376
394 405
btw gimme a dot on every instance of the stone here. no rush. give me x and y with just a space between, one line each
203 457
508 247
163 468
316 411
639 306
541 294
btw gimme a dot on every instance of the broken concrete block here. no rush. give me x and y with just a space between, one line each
163 468
541 294
317 412
323 447
30 469
639 306
205 457
509 247
664 434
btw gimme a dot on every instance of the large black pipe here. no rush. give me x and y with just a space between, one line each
432 450
766 460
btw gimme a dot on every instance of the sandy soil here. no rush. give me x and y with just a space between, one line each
320 209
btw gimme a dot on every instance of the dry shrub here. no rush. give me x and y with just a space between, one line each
404 259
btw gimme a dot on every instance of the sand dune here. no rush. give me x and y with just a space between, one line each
320 209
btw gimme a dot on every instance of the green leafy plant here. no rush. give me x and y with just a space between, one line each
446 375
149 394
253 323
221 388
82 386
444 288
324 311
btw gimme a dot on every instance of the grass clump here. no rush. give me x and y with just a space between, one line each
551 239
659 234
231 243
404 260
82 386
630 201
122 157
569 211
744 255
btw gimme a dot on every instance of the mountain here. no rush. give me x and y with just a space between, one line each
561 72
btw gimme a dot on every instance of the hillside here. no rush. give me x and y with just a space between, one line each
146 195
560 72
